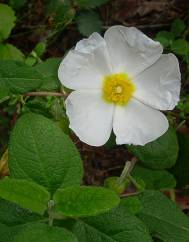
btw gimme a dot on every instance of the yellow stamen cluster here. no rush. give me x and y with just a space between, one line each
118 88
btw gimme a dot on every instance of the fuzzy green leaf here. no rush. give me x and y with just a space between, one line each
165 38
49 70
62 12
84 201
177 27
90 4
11 214
180 47
160 179
16 4
7 21
159 154
25 193
117 225
17 78
40 48
163 217
43 233
46 155
10 52
132 204
181 168
5 233
89 22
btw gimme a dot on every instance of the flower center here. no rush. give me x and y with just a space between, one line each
118 88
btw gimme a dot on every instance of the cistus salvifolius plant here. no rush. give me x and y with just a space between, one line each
120 92
120 82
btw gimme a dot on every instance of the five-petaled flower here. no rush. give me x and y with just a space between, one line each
120 81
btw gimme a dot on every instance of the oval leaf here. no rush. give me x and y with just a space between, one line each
91 3
7 21
84 201
10 52
117 225
159 154
89 22
163 217
46 155
11 214
49 70
181 168
17 78
24 193
43 233
154 179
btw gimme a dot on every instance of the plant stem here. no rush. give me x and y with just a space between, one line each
172 195
125 172
134 182
50 212
130 194
43 94
129 165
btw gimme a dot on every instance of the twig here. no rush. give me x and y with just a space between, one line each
129 165
129 194
44 94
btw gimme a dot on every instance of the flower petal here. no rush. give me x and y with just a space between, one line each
90 117
131 51
138 124
159 85
85 66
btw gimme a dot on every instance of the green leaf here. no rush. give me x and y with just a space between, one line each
10 52
181 168
84 201
88 22
132 204
46 155
163 217
153 179
114 184
159 154
16 4
11 214
49 70
38 105
177 27
55 5
7 21
180 47
117 225
165 38
40 48
30 61
61 12
43 233
5 233
25 193
17 78
90 4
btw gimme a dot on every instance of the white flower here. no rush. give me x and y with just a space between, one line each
121 81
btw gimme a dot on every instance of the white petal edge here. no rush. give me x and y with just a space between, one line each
86 65
130 50
90 117
138 124
159 85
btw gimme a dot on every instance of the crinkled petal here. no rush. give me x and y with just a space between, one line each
159 85
90 117
131 51
138 124
86 65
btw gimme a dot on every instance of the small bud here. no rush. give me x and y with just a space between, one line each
113 184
